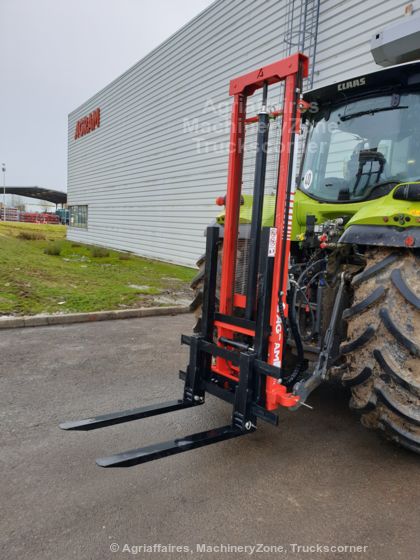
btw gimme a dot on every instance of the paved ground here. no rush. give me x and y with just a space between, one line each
320 478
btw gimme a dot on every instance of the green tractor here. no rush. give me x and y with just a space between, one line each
356 212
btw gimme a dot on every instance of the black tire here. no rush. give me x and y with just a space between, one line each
197 285
383 346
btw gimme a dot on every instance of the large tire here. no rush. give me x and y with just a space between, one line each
197 285
383 345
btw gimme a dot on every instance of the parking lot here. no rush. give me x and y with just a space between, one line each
320 478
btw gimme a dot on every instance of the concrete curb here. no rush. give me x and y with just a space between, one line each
45 320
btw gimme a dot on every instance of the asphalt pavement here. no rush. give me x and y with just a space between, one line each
318 486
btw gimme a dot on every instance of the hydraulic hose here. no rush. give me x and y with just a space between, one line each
298 341
294 327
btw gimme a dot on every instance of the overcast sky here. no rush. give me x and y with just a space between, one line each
54 54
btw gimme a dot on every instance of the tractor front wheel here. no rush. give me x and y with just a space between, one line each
383 345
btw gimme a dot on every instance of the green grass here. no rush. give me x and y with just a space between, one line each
77 278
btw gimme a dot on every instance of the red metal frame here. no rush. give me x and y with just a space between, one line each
275 395
272 73
284 70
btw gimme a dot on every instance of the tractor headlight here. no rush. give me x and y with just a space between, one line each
408 191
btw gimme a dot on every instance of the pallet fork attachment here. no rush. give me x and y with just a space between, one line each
125 416
246 373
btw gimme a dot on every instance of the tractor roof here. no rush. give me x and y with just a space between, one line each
402 75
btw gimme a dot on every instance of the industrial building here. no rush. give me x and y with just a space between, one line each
147 155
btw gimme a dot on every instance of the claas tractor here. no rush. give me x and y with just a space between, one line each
317 280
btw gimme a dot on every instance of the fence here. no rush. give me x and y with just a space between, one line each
15 215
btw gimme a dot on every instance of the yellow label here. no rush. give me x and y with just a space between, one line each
415 212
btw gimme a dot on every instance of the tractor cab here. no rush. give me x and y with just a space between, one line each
362 137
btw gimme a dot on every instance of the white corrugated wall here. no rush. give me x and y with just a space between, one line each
344 33
152 170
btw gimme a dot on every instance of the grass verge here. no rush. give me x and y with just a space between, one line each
42 272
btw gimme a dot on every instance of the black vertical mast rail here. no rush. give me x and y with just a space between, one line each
257 205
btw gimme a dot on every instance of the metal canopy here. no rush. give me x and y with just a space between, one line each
41 193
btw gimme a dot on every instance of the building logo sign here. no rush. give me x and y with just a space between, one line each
87 124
